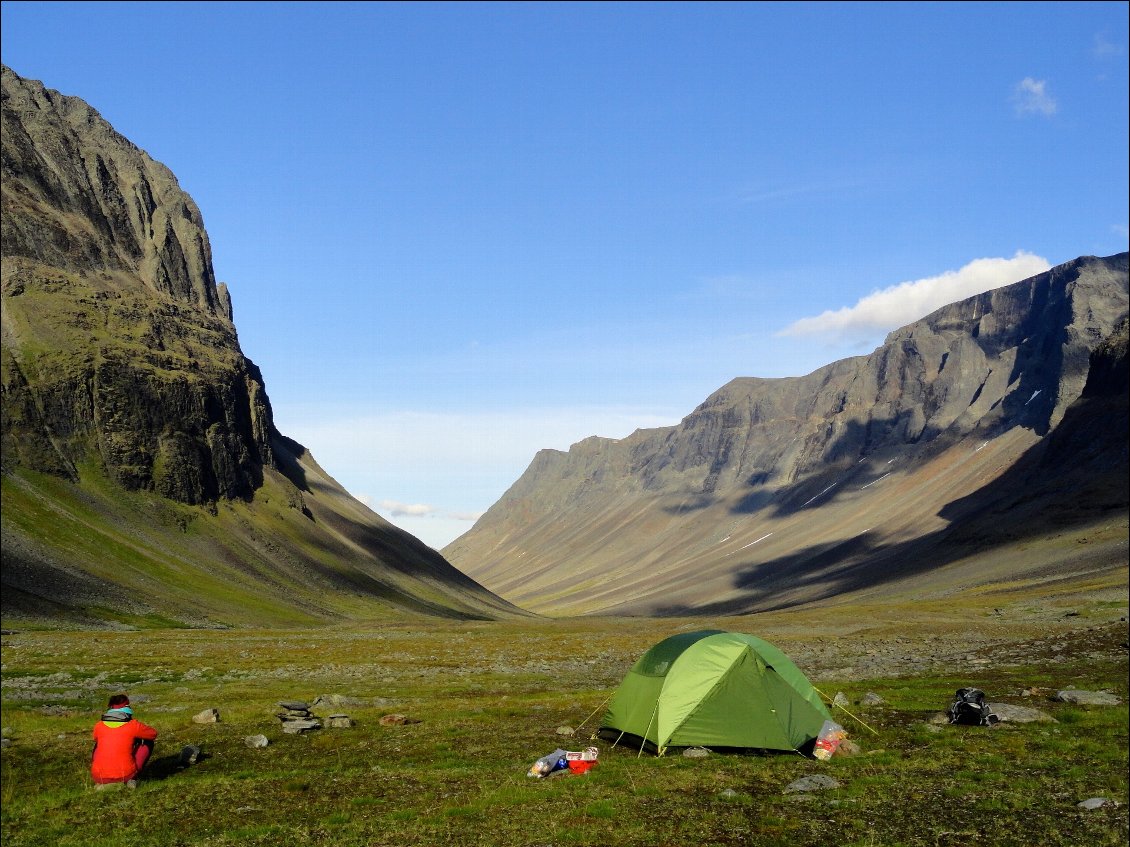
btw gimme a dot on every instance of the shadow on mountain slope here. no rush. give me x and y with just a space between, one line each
1087 454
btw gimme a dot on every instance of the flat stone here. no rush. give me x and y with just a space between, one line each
207 716
339 721
815 782
295 727
1096 803
294 705
1020 714
1086 698
255 741
696 752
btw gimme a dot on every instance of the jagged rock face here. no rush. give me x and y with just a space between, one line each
118 345
144 483
1010 361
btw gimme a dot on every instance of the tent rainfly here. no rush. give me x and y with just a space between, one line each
715 689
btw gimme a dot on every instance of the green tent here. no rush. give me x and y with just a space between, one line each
715 689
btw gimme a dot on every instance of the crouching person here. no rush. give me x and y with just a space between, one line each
122 745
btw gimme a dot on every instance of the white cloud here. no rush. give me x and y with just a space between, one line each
399 510
890 308
1031 97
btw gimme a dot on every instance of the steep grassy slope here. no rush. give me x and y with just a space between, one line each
90 554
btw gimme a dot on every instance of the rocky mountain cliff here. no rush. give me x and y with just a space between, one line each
856 477
143 476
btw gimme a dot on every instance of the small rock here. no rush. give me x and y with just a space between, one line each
840 699
294 705
207 716
938 718
847 747
5 741
189 755
1096 803
339 721
728 794
871 699
255 741
564 730
397 720
696 752
1086 698
815 782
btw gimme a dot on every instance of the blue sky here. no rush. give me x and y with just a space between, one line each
455 234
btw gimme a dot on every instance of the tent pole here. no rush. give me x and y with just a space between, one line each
643 740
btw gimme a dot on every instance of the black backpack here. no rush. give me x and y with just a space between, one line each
969 708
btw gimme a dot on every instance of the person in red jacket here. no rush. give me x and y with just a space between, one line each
122 744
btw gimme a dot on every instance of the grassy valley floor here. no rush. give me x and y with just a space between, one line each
490 698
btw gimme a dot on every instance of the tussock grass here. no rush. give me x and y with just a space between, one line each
489 698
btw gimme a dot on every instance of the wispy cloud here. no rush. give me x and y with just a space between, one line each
898 305
1103 48
1031 97
775 193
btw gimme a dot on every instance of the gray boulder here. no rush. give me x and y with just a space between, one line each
1080 697
1020 714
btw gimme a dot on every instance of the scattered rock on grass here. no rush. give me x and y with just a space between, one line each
255 741
1080 697
339 721
564 730
337 700
1020 714
295 726
871 699
847 747
840 699
207 716
815 782
397 720
1096 803
696 752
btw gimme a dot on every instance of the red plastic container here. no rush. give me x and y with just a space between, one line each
580 765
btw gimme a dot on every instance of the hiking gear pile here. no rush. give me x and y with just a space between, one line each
970 709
